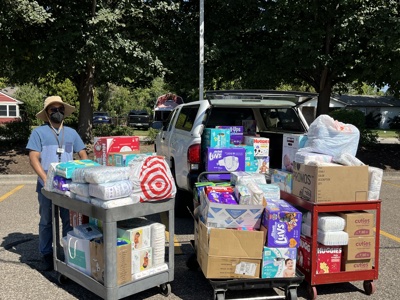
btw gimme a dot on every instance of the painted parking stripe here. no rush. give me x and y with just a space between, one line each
6 195
177 244
390 236
387 182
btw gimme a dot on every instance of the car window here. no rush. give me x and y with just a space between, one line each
224 116
282 118
186 117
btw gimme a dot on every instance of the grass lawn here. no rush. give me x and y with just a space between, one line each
389 133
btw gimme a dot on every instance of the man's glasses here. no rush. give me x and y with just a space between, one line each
60 109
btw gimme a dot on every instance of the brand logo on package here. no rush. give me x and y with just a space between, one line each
279 234
215 155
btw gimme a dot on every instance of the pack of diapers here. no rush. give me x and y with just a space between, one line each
326 222
106 174
111 190
374 183
114 203
327 238
81 189
307 157
65 169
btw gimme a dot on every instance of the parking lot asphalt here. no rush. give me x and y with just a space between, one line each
22 278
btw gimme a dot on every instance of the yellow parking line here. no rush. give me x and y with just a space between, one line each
177 244
386 182
6 195
388 235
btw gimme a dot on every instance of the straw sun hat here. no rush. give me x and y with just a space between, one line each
69 109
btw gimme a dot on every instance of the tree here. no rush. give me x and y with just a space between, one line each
90 42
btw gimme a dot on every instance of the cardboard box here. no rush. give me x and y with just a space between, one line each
251 162
113 144
236 132
76 219
330 183
291 143
263 164
260 145
229 216
357 265
328 257
278 262
281 224
121 159
358 223
142 260
283 179
224 160
216 138
97 262
140 237
227 253
359 248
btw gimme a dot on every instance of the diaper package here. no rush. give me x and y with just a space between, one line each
326 222
327 238
375 176
106 174
81 189
243 178
306 157
65 169
114 203
111 190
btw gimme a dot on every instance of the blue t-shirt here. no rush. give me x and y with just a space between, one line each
43 139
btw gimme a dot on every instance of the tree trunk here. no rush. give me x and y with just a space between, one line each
86 99
324 98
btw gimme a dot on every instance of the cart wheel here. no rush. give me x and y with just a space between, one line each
192 263
219 296
312 292
369 287
165 289
291 294
62 279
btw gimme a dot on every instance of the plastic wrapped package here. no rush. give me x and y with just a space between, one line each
331 137
82 198
270 191
106 174
65 169
327 238
81 189
257 195
78 175
51 173
347 159
307 157
114 203
375 182
326 222
151 178
111 190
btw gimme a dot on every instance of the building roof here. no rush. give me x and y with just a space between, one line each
4 98
368 100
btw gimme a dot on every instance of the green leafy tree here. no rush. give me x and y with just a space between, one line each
32 98
89 42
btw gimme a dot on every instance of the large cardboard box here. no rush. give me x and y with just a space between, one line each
328 257
324 184
229 215
359 248
227 253
105 145
291 143
97 262
358 223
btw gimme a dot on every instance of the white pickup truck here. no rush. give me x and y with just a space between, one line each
179 139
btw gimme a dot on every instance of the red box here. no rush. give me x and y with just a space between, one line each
76 218
113 144
328 257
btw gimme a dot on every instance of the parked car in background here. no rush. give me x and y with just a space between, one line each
139 119
101 117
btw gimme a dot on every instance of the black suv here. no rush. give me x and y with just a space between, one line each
139 119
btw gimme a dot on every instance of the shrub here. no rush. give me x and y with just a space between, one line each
15 133
356 118
394 123
113 130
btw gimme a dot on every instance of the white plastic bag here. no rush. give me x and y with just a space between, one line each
331 137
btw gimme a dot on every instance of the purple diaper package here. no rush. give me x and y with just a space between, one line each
224 160
281 222
236 134
61 183
223 198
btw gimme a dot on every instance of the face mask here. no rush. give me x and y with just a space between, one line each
57 117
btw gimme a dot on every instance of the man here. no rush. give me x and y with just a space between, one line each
51 143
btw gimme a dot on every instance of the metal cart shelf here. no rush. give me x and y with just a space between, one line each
109 217
312 277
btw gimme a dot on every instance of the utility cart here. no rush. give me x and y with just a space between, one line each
109 217
311 277
221 286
